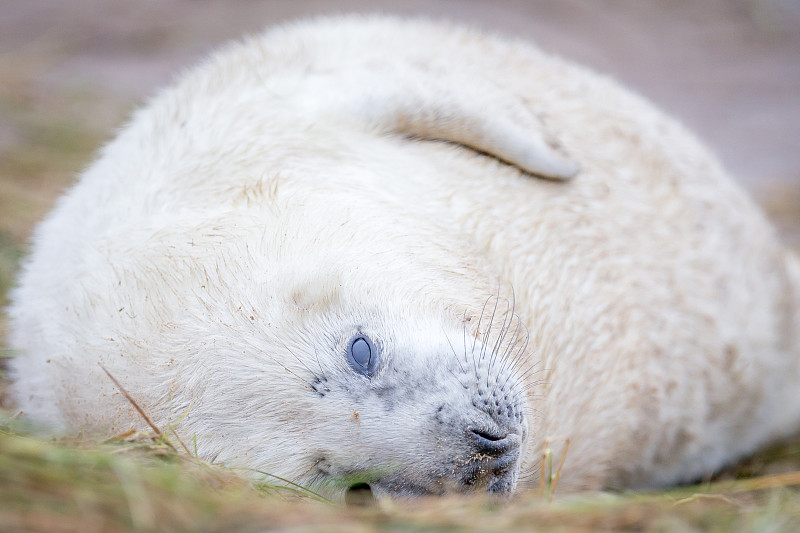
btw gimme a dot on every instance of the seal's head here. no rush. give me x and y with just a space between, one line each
431 409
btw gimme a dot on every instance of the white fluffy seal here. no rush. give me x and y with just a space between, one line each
280 256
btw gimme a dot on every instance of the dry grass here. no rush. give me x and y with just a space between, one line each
133 484
139 483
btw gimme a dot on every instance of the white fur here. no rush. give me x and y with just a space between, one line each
251 218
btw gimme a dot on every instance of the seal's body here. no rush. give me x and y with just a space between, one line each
282 257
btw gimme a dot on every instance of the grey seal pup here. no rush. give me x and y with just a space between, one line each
411 255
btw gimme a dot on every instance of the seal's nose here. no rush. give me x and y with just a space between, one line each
493 464
493 436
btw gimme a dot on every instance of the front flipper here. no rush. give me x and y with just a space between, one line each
447 107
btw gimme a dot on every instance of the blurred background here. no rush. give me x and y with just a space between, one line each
72 70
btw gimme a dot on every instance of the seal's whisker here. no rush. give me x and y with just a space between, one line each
465 385
509 347
532 470
464 336
503 328
521 380
517 381
321 372
478 335
306 384
530 410
527 388
517 352
523 349
480 320
518 349
532 415
518 359
485 333
533 473
499 342
447 337
299 361
529 384
488 331
529 481
512 341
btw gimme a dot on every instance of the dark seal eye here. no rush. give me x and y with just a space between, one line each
362 355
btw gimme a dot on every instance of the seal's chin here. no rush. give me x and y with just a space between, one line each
503 486
496 486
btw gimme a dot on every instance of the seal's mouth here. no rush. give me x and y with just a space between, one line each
359 495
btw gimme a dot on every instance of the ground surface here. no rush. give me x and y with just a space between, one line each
72 70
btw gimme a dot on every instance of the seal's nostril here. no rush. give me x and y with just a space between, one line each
492 436
494 442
